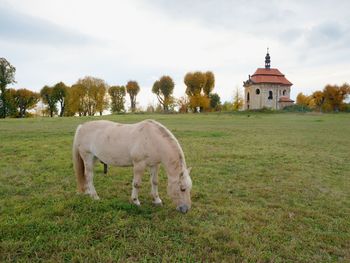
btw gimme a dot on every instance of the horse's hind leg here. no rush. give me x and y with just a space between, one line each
139 169
89 166
154 183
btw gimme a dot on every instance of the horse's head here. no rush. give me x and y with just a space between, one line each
180 191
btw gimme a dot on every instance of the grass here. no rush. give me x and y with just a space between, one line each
266 188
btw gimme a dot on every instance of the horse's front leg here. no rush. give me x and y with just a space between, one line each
139 169
154 183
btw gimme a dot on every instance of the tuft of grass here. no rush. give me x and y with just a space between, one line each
266 187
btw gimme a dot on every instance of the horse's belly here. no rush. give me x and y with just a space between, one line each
121 163
115 160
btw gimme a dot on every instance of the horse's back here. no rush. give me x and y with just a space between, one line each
115 143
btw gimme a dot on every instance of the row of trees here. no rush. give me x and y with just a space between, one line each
90 96
87 97
331 98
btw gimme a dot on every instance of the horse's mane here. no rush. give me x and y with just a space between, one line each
171 139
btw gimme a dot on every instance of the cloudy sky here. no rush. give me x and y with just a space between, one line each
59 40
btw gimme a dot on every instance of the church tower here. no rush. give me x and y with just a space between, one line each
267 88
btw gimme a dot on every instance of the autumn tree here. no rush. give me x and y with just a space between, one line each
318 99
164 88
48 97
71 103
132 88
183 104
60 92
25 100
7 76
305 101
209 84
198 88
77 100
237 100
10 98
93 95
100 98
117 94
335 95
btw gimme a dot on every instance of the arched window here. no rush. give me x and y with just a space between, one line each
270 95
248 97
257 91
284 92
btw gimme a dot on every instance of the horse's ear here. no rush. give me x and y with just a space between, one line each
189 170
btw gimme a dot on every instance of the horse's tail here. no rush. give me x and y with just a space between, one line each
78 164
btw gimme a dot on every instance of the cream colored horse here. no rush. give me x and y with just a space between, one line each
144 144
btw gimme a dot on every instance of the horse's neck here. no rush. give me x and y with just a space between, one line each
174 163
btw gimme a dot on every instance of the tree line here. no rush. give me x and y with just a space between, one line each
331 98
90 96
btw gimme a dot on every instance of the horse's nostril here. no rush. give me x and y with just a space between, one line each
182 208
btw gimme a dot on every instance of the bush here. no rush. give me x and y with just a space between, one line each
296 108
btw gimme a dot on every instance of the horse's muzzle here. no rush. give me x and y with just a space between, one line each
182 208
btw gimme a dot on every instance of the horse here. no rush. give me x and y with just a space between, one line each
145 144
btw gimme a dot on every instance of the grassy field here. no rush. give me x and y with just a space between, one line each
266 188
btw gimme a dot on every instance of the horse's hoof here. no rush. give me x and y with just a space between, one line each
136 202
157 202
95 197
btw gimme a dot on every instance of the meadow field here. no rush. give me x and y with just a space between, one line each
267 187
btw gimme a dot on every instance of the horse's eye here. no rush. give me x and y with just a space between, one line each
182 189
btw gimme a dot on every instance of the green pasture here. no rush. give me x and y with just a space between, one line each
267 187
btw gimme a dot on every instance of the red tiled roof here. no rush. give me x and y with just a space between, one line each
273 75
285 99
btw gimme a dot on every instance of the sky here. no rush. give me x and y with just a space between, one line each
49 41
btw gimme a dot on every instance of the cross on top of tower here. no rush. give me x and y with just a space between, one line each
267 60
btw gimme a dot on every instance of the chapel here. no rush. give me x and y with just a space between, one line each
267 88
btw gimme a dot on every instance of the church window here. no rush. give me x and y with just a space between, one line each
257 91
284 92
270 95
248 97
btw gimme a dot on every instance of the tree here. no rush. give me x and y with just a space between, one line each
198 88
183 104
210 83
77 100
194 82
60 91
7 76
91 95
99 93
199 101
48 97
132 88
305 101
117 94
227 106
12 108
237 100
335 95
318 98
215 102
25 100
164 88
